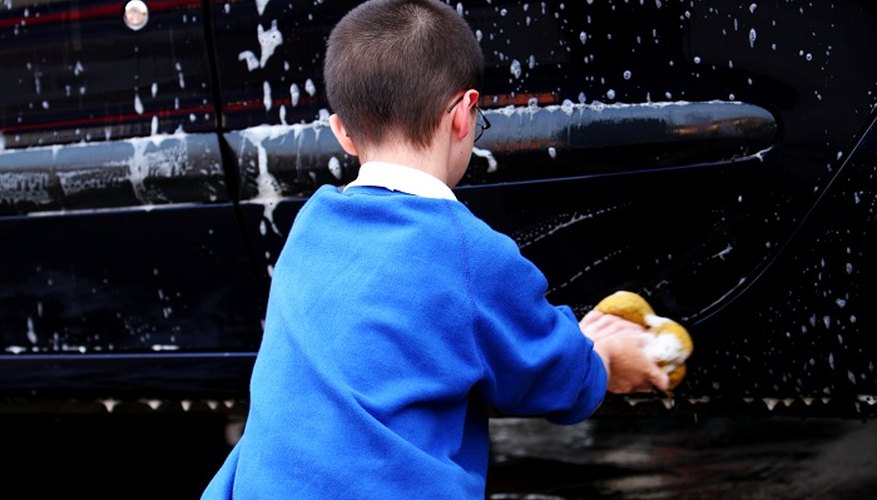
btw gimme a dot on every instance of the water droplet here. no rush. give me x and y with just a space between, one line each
294 93
138 105
335 167
515 68
31 333
266 95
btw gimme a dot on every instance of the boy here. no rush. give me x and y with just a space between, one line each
396 317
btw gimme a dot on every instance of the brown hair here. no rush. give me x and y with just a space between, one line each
393 66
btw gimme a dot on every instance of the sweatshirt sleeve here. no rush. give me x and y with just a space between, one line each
536 360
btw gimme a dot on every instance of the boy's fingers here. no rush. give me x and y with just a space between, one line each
592 315
642 338
609 324
659 379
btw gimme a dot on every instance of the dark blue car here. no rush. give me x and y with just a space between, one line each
716 157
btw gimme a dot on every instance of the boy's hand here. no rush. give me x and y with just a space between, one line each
620 344
596 325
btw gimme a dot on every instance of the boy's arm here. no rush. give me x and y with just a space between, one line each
620 345
534 357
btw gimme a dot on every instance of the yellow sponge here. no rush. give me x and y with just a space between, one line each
627 305
671 345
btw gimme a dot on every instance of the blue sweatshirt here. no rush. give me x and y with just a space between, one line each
394 321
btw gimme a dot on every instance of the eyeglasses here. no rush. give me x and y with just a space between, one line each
483 125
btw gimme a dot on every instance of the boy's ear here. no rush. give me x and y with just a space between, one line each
462 115
340 133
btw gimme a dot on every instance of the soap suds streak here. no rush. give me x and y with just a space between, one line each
525 240
587 268
269 190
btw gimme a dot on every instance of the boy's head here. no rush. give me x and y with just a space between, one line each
393 66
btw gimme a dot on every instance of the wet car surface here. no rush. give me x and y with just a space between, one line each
715 157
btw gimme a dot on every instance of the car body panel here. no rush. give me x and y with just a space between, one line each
120 238
716 157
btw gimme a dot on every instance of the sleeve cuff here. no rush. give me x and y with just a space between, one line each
591 394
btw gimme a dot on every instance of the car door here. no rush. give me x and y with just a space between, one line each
123 269
713 156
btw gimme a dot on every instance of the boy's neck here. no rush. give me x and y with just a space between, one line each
433 161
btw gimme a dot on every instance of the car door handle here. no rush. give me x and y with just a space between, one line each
527 143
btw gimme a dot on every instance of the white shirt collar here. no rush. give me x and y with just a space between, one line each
403 179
